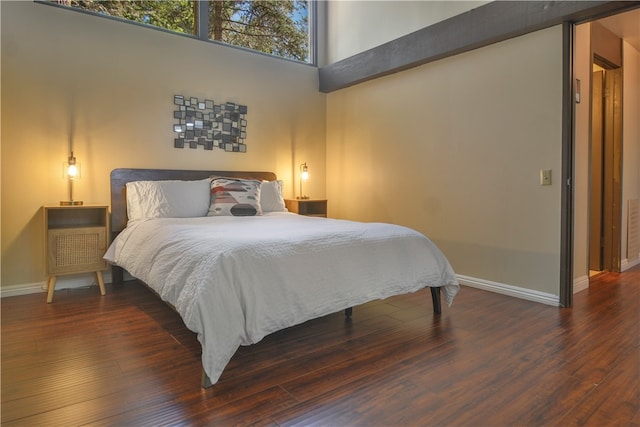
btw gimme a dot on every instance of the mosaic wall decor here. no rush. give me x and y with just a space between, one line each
203 123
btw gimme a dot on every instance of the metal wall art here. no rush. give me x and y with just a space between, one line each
209 125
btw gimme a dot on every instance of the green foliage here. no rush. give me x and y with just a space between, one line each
175 15
275 27
278 27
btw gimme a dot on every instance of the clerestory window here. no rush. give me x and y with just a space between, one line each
275 27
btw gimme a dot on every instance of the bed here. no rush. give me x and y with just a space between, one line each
220 248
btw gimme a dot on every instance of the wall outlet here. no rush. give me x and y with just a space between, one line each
545 177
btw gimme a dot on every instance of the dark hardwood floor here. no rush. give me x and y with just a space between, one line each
126 359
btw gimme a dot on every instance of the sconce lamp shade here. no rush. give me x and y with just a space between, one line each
304 176
71 171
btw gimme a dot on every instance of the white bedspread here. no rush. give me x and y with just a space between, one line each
236 279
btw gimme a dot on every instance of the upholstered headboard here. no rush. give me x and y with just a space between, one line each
120 177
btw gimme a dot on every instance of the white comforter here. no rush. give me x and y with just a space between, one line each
236 279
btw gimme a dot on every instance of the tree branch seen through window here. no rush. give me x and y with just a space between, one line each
277 27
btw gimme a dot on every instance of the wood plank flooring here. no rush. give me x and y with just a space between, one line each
126 359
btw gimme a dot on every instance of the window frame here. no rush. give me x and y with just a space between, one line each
201 28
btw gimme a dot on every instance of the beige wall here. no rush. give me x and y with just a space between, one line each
109 86
454 149
356 26
630 138
582 70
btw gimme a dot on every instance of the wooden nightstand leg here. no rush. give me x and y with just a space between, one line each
100 282
51 286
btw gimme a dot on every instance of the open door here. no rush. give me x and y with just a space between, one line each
605 205
596 237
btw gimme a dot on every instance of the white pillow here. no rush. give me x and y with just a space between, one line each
271 197
167 199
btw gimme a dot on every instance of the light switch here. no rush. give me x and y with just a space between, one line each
545 177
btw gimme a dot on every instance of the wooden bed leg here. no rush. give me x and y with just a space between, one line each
435 297
205 382
348 312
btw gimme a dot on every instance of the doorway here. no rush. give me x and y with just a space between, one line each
605 168
582 45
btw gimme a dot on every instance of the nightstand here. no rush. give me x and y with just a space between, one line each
308 207
75 242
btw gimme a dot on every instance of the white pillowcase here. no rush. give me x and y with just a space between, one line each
167 199
271 199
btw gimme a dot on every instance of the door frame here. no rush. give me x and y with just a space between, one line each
568 153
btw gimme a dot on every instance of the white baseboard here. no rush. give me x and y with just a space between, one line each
626 264
80 281
62 282
513 291
23 289
580 284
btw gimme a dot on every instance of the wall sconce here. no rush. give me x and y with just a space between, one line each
71 171
304 176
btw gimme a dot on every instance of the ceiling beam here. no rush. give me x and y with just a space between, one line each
487 24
